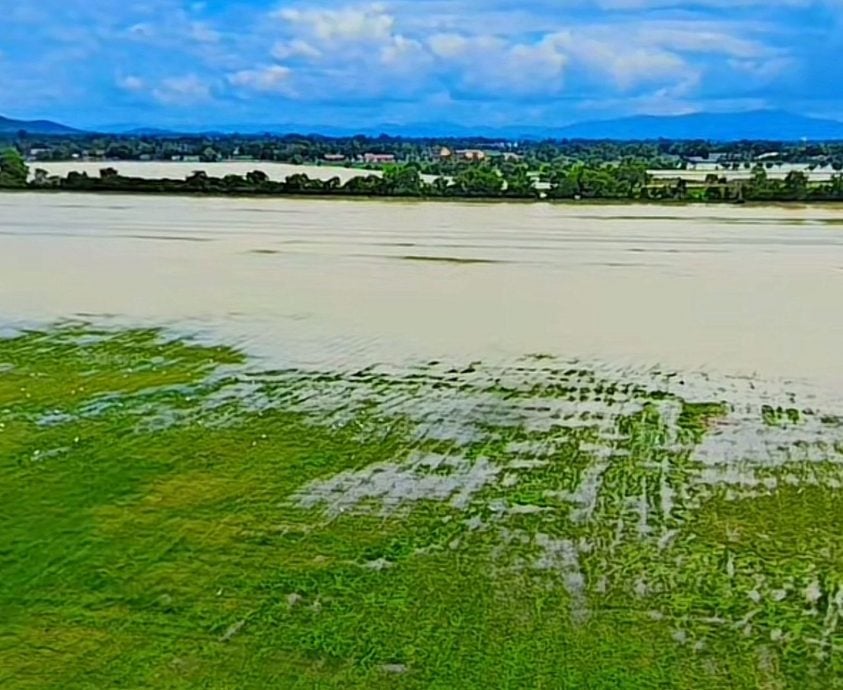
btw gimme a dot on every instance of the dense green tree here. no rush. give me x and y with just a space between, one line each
477 180
796 185
370 185
209 155
302 184
232 182
519 183
563 185
121 151
440 186
596 183
257 177
402 180
13 169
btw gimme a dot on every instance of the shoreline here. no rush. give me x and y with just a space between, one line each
591 201
781 203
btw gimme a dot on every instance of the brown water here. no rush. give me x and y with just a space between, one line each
729 290
180 169
279 171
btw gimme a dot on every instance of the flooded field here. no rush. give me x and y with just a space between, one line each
774 172
729 290
279 171
379 444
181 169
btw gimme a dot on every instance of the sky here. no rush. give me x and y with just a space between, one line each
345 63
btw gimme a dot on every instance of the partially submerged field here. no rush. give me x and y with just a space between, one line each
303 444
175 515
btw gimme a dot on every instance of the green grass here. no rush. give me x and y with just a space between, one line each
152 532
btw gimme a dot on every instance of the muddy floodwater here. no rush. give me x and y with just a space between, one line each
181 169
752 290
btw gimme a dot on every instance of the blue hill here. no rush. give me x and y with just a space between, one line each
758 124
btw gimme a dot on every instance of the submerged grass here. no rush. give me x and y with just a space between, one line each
449 259
170 518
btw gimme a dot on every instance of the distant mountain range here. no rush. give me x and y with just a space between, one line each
758 124
9 126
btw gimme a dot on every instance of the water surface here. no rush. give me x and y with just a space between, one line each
733 290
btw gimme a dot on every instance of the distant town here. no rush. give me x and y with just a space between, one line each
384 150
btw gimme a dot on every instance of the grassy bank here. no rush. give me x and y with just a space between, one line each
171 517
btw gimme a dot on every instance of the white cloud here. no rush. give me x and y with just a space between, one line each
762 71
267 79
489 63
405 54
628 62
131 83
376 42
715 4
450 45
641 66
361 23
536 61
351 53
285 50
697 40
182 91
201 32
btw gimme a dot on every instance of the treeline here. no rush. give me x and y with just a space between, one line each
605 183
426 151
394 181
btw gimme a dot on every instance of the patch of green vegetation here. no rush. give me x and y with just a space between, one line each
449 259
778 416
153 532
697 418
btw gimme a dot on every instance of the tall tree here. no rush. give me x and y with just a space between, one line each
13 170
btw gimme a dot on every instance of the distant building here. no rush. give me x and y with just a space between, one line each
334 157
445 152
471 154
378 158
700 163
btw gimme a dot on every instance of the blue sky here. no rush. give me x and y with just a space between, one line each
490 62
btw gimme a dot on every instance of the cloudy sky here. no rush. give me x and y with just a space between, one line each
493 62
